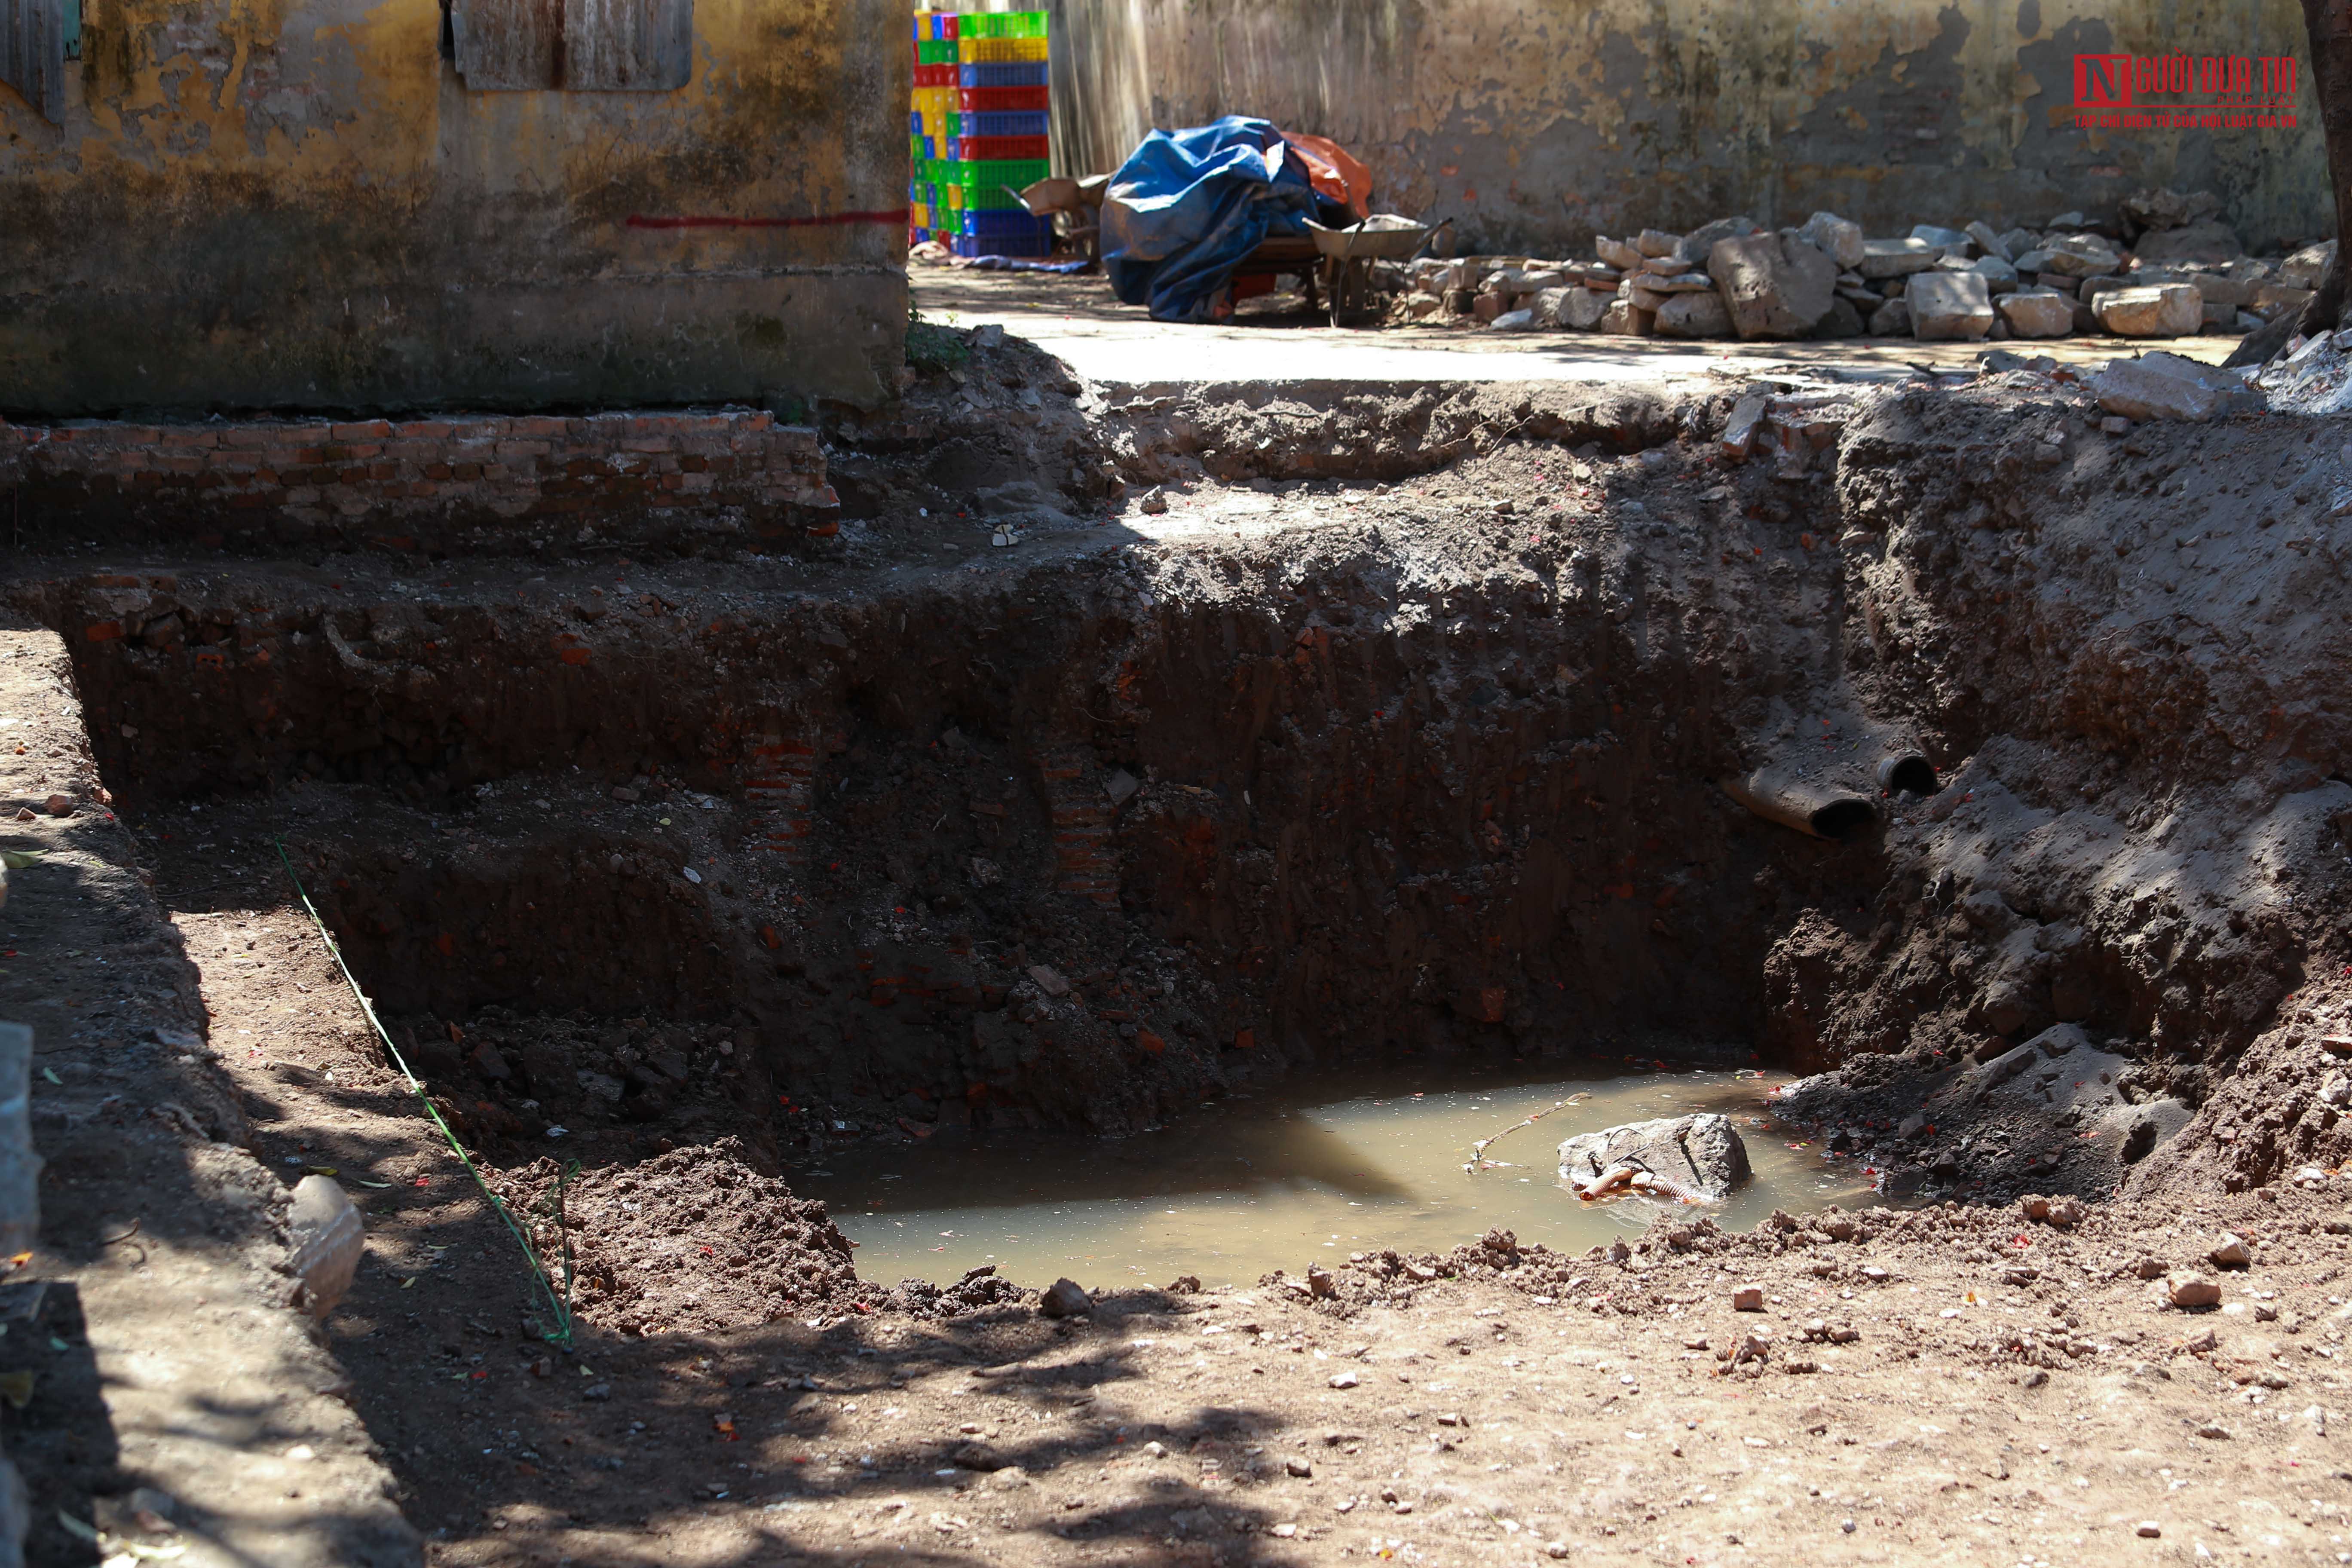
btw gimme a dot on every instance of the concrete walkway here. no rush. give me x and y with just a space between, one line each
1078 320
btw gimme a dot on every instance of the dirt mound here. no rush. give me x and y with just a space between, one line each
694 1240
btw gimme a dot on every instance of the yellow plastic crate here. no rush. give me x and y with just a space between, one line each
955 196
999 51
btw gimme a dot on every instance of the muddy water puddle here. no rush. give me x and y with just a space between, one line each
1309 1171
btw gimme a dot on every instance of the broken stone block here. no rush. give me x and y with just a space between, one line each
1896 258
1700 243
2037 312
1679 283
1944 240
2165 208
1657 242
1989 242
2163 310
1486 307
1842 321
1515 321
1999 275
2078 256
2213 287
1642 298
2191 242
1775 286
1583 308
1740 431
1694 315
2162 385
1618 253
1892 319
2305 269
1838 238
1550 305
2272 300
1949 305
1513 281
2016 242
1692 1157
1623 319
2217 318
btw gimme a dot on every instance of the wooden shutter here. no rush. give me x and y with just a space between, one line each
32 54
575 46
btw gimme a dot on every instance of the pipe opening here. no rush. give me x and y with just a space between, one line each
1908 773
1843 816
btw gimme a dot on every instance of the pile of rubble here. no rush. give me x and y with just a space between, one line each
2164 268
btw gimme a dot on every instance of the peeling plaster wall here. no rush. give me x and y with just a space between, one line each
1536 122
297 204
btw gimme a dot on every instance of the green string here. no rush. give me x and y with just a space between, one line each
560 1305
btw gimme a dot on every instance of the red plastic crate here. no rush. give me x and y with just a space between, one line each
995 100
987 148
937 76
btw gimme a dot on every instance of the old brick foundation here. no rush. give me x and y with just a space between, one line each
670 482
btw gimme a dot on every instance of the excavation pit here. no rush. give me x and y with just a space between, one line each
1391 756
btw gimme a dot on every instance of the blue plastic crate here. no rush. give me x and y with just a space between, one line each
1031 246
914 122
991 222
1003 123
1024 73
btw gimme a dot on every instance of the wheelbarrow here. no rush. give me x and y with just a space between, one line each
1347 254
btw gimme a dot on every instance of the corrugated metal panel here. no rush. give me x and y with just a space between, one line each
579 46
508 46
627 46
32 54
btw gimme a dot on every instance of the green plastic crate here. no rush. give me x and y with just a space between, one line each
1003 25
935 51
994 171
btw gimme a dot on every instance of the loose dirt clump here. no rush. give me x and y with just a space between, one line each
688 1241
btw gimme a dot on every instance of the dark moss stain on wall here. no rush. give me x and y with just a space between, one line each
291 205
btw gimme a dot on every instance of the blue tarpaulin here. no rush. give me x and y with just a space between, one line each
1188 206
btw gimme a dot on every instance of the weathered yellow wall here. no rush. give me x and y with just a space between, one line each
298 203
1537 122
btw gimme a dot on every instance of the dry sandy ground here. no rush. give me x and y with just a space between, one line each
1078 320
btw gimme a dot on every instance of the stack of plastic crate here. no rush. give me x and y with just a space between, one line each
998 142
930 126
976 133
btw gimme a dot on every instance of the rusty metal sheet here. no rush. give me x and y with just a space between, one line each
32 54
508 46
627 46
575 46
